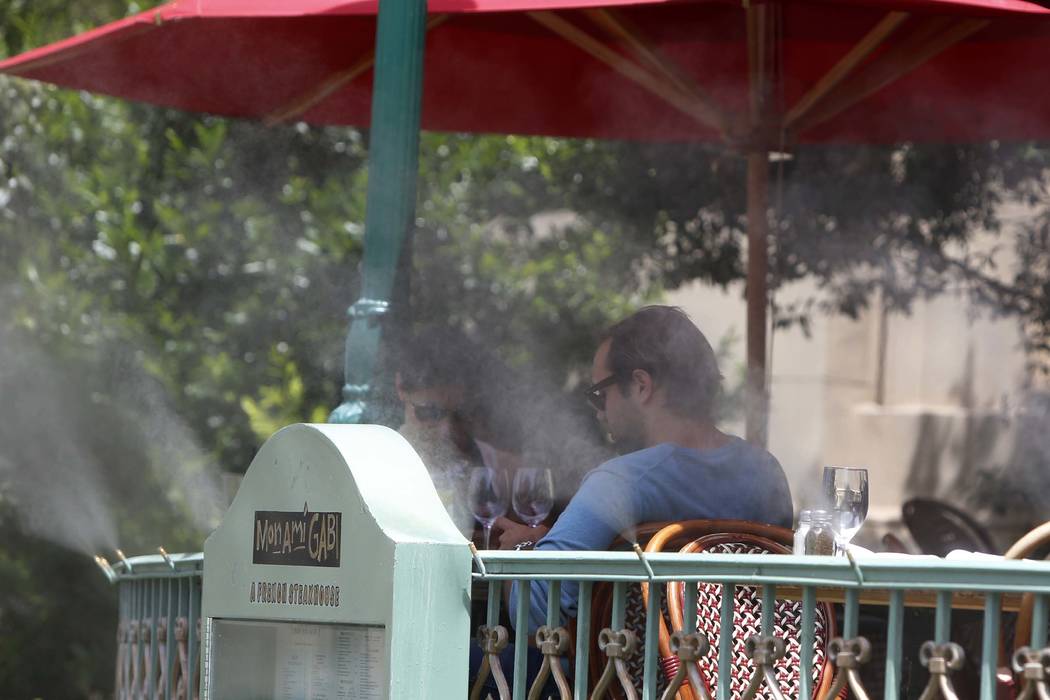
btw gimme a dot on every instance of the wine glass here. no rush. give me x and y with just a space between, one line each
846 492
533 495
487 495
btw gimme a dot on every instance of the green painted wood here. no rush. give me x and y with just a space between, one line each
903 573
173 607
689 614
894 639
521 641
619 605
990 645
809 617
142 606
393 167
727 618
583 639
155 615
769 608
652 637
1039 622
492 610
852 611
191 634
942 625
554 604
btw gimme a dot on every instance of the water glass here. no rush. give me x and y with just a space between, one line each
846 495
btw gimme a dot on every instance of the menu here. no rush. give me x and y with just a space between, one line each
257 660
325 662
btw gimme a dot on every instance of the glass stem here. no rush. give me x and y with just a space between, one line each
487 527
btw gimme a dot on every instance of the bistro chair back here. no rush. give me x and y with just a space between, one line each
657 537
938 528
787 618
1032 545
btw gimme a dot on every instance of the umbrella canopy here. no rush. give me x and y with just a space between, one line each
879 71
757 76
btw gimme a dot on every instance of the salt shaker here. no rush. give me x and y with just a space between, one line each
805 520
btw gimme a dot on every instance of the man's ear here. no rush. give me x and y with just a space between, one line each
397 384
643 384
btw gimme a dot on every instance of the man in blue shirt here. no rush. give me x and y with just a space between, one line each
656 384
655 387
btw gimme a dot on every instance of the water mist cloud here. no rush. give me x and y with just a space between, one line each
92 457
54 484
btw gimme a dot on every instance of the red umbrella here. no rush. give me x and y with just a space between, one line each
759 77
888 70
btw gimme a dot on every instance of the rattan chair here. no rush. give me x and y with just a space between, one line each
675 535
740 538
1033 544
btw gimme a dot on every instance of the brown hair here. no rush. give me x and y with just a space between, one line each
664 342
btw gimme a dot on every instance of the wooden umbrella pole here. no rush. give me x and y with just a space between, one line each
757 400
764 75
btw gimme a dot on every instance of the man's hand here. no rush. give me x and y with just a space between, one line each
512 533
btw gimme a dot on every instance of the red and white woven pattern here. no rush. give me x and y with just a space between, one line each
787 624
634 620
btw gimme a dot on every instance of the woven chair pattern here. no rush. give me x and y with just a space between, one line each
634 620
787 624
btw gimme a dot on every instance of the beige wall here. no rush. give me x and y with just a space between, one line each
935 412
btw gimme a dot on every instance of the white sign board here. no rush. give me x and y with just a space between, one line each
336 573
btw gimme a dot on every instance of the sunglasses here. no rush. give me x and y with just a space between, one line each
429 413
595 394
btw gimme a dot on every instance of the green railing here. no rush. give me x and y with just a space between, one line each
158 630
896 582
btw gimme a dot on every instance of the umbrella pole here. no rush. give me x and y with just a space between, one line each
393 168
756 398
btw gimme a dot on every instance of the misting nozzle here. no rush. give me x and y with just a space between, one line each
167 557
110 574
645 562
124 560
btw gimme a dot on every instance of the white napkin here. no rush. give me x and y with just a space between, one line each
963 554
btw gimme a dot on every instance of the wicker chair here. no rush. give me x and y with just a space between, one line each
698 536
741 538
1033 544
601 609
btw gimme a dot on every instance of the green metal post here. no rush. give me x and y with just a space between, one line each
393 166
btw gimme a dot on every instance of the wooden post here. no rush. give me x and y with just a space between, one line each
764 26
757 399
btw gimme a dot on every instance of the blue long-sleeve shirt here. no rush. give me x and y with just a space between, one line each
735 481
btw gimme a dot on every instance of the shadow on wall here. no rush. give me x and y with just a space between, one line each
994 464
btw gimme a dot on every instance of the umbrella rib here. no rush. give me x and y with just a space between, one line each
305 101
646 53
853 58
894 64
668 92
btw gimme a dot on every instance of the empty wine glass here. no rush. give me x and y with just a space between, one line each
533 494
487 495
846 492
